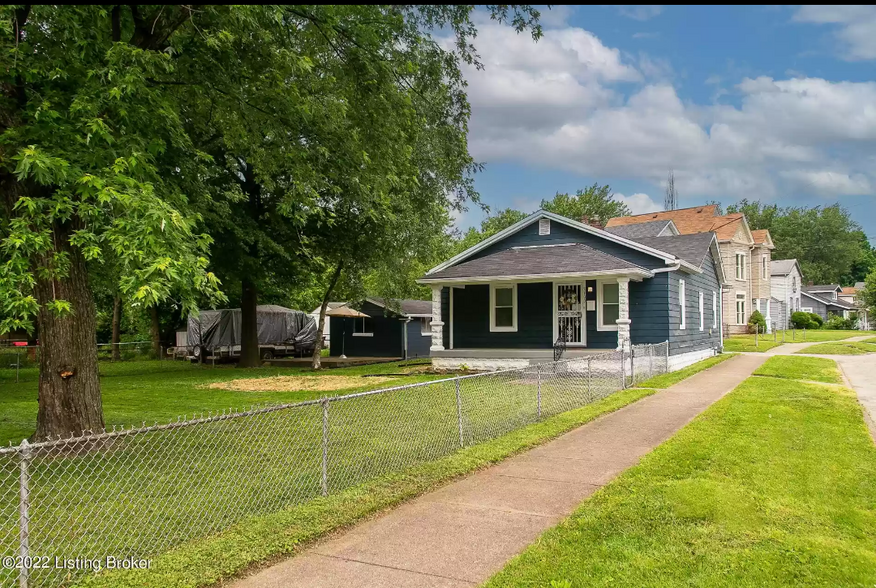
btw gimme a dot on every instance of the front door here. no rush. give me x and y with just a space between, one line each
570 315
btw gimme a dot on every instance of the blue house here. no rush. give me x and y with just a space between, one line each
550 281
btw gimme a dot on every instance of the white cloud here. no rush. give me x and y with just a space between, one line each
640 11
857 27
569 102
639 203
830 183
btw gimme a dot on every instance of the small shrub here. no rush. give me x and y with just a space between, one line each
816 321
756 322
803 320
839 323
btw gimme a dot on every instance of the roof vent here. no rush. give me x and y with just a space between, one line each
544 226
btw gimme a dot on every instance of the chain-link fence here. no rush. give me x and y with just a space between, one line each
138 492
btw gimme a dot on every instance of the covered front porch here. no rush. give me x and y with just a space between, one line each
504 323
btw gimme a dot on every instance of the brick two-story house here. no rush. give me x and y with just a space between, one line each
745 257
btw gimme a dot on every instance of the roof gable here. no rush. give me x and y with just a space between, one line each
699 219
660 257
783 267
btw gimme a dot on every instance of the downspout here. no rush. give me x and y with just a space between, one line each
721 323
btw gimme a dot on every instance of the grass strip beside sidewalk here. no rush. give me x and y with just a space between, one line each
852 348
771 486
815 369
667 380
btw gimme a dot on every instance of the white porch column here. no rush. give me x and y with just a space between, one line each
437 325
623 321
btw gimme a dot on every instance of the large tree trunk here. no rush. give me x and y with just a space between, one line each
156 332
249 328
69 383
316 362
117 327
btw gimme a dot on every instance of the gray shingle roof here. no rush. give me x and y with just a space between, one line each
822 288
829 302
781 267
635 231
860 285
408 307
538 260
691 248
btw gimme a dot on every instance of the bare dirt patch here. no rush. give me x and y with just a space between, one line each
298 383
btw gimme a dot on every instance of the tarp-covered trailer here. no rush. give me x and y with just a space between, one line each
282 331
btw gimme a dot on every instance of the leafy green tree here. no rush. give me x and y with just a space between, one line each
593 204
84 133
489 227
868 295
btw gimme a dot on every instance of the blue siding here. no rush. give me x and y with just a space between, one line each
691 338
418 344
561 233
471 319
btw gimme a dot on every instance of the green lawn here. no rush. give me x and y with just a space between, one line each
870 340
738 343
211 560
853 348
158 391
667 380
157 489
771 486
815 369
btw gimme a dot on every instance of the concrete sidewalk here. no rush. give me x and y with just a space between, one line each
461 534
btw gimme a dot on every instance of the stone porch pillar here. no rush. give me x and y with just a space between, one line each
437 325
623 321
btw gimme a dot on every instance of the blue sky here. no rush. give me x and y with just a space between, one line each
776 104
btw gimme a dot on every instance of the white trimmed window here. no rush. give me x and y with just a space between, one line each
794 284
702 319
362 327
740 266
609 306
740 309
425 326
714 310
763 271
681 300
503 308
544 226
806 309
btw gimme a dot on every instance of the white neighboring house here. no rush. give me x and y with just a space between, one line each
851 296
786 281
315 315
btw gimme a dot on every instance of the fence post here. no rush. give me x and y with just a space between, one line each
459 413
17 365
667 357
623 371
794 334
783 335
325 416
804 333
24 513
650 361
589 382
775 336
756 331
538 396
632 366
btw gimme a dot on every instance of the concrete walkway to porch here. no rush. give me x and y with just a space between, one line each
461 534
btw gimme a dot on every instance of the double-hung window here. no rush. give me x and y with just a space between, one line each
609 306
503 308
740 266
681 301
740 309
702 319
